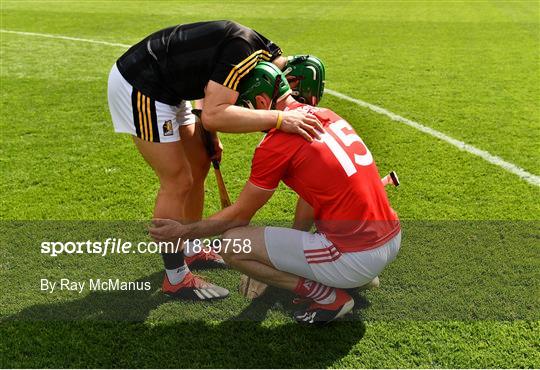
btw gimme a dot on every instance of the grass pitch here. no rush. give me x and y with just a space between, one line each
464 290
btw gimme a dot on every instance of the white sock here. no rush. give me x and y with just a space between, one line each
175 276
188 248
330 299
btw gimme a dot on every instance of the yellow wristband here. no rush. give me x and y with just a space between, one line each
279 120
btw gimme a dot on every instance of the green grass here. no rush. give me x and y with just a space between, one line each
464 289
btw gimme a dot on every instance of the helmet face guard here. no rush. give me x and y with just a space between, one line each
264 78
308 71
275 94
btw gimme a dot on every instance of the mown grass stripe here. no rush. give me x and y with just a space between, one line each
488 157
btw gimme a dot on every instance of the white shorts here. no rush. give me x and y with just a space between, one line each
314 257
134 113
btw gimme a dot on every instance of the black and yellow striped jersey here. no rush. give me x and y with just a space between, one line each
176 63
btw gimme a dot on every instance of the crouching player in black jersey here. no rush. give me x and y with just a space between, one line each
149 90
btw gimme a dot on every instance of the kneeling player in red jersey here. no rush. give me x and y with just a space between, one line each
357 235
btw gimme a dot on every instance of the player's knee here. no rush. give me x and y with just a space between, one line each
199 172
231 254
179 184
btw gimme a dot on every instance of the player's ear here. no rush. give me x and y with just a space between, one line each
263 102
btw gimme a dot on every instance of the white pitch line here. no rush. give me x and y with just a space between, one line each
488 157
65 38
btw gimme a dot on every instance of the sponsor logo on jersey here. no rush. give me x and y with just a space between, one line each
168 128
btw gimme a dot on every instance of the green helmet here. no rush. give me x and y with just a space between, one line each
309 72
264 78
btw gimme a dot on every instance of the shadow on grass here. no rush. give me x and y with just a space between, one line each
107 329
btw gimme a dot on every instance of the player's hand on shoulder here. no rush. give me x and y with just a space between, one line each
164 230
301 123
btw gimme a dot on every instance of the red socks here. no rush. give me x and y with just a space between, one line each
318 292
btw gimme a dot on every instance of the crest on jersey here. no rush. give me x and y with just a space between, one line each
168 128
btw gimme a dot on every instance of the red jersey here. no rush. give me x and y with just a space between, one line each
335 175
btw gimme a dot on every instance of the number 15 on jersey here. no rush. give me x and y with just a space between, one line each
341 147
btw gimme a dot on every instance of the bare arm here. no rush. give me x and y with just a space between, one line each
214 139
251 199
220 114
303 216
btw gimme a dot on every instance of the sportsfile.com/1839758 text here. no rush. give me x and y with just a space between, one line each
120 246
